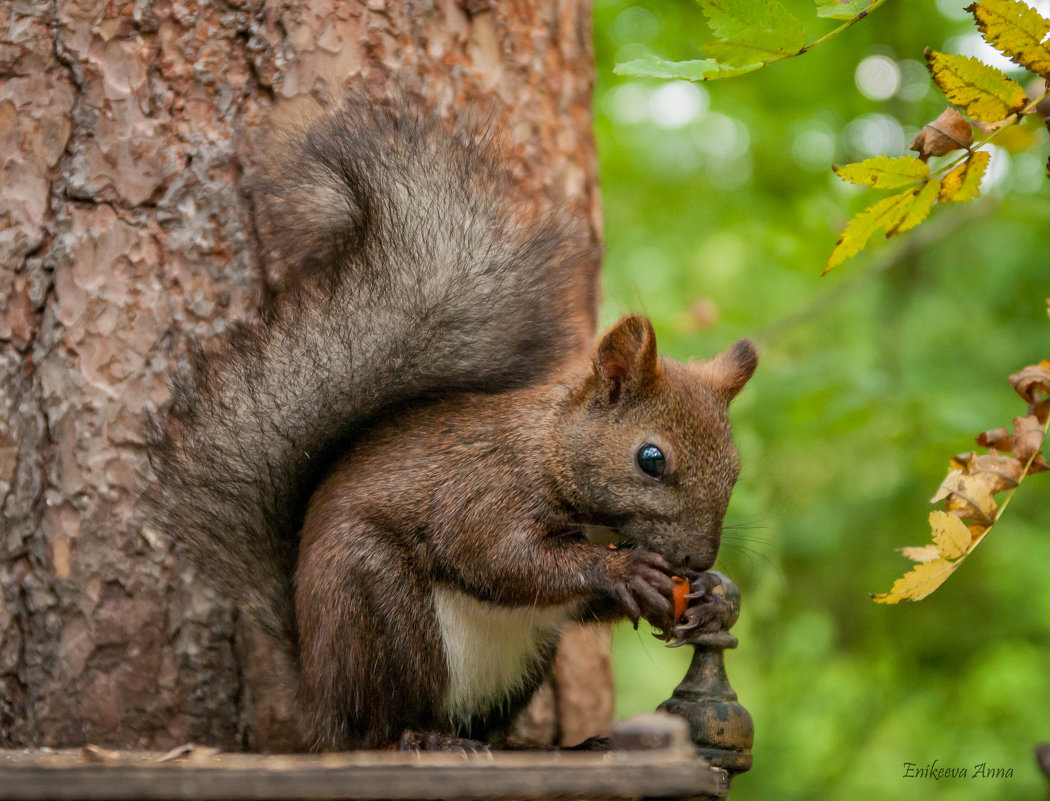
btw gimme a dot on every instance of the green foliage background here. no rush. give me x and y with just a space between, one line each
869 379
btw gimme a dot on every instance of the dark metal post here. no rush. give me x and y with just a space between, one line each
721 728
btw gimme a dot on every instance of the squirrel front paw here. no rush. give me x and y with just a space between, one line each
645 589
704 613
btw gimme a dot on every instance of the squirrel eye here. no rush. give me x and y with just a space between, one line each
651 460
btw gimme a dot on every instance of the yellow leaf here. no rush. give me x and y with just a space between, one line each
983 92
914 209
920 582
1018 138
860 229
964 182
927 553
969 487
1015 29
883 172
950 534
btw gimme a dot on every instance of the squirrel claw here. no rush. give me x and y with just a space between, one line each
702 613
630 606
417 741
689 623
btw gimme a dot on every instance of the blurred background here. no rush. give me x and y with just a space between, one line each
720 211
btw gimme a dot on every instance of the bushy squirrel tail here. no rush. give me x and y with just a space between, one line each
423 273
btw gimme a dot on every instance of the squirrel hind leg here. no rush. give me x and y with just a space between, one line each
437 741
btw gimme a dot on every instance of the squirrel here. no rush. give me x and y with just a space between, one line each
408 473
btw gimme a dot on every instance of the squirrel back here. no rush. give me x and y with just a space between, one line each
420 272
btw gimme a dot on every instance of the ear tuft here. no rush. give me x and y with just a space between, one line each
627 354
731 369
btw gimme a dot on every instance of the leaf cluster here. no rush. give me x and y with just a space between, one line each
990 99
750 34
970 488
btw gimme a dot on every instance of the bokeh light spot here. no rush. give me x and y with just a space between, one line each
878 77
634 24
676 104
875 135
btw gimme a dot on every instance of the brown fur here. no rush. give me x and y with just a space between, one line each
488 494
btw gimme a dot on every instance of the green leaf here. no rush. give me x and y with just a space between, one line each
883 172
842 9
751 31
652 66
725 71
981 91
964 182
1016 30
735 54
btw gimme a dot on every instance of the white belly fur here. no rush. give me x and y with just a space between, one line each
489 649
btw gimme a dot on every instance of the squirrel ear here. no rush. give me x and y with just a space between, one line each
626 354
732 368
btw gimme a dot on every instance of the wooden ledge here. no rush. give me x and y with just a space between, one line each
45 775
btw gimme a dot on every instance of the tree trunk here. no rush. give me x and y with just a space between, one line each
125 130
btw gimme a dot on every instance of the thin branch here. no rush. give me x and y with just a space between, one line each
931 232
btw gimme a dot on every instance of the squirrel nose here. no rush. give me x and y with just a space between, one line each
693 566
700 557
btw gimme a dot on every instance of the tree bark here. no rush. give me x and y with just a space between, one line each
126 128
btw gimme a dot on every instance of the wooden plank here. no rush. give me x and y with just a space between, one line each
63 776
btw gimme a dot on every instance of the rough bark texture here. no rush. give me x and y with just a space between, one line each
125 131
